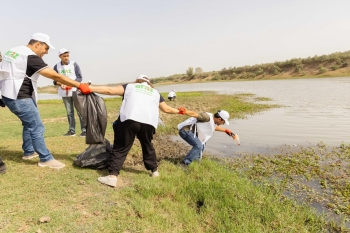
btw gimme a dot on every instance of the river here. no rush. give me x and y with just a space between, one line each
314 110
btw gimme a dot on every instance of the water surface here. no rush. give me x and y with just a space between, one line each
315 110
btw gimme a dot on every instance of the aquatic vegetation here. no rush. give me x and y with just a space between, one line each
318 174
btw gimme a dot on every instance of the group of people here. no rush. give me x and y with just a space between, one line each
139 112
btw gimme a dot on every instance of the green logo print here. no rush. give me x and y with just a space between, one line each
144 89
9 53
66 72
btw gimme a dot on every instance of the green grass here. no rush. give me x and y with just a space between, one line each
207 197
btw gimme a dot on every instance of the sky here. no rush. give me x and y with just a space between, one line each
115 41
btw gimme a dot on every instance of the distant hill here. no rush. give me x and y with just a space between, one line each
332 65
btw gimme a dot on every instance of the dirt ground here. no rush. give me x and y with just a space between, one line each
166 149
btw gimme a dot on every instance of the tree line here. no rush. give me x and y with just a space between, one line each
316 65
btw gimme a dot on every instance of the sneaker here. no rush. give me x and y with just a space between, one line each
52 164
69 133
28 157
183 165
2 168
107 180
155 174
83 134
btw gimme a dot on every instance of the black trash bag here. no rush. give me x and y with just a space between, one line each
96 156
93 112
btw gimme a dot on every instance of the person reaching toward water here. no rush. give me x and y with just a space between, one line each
139 117
198 129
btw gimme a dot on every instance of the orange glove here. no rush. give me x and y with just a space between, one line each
229 133
84 88
67 90
181 111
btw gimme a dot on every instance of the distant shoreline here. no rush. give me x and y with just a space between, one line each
53 90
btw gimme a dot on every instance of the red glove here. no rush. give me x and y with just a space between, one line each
84 88
229 132
181 111
68 88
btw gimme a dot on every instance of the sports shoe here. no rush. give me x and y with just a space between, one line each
69 133
110 181
28 157
83 134
52 164
183 165
155 174
2 168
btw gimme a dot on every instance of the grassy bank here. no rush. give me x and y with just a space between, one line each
209 196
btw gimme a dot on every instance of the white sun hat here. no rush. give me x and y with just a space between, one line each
43 38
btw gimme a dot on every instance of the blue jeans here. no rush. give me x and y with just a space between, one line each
33 128
69 104
197 146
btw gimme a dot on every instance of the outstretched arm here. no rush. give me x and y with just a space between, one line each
229 133
167 109
222 129
191 113
117 90
219 128
50 73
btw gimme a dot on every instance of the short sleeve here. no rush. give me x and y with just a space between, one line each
161 99
35 64
124 86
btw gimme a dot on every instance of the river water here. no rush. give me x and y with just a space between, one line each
314 110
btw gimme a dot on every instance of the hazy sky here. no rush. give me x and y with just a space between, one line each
114 41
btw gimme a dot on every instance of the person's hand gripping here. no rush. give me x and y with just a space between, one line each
84 88
182 111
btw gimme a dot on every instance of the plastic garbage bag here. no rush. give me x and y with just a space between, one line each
93 112
96 156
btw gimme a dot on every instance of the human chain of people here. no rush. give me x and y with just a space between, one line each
139 112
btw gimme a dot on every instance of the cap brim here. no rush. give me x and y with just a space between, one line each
50 45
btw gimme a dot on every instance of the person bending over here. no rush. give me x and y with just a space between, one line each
139 115
198 129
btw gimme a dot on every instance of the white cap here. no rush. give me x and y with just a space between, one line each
224 115
62 51
174 90
143 77
42 38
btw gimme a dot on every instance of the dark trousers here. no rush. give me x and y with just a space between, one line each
124 136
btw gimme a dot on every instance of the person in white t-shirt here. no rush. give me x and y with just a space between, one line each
72 70
139 116
19 73
198 129
172 95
